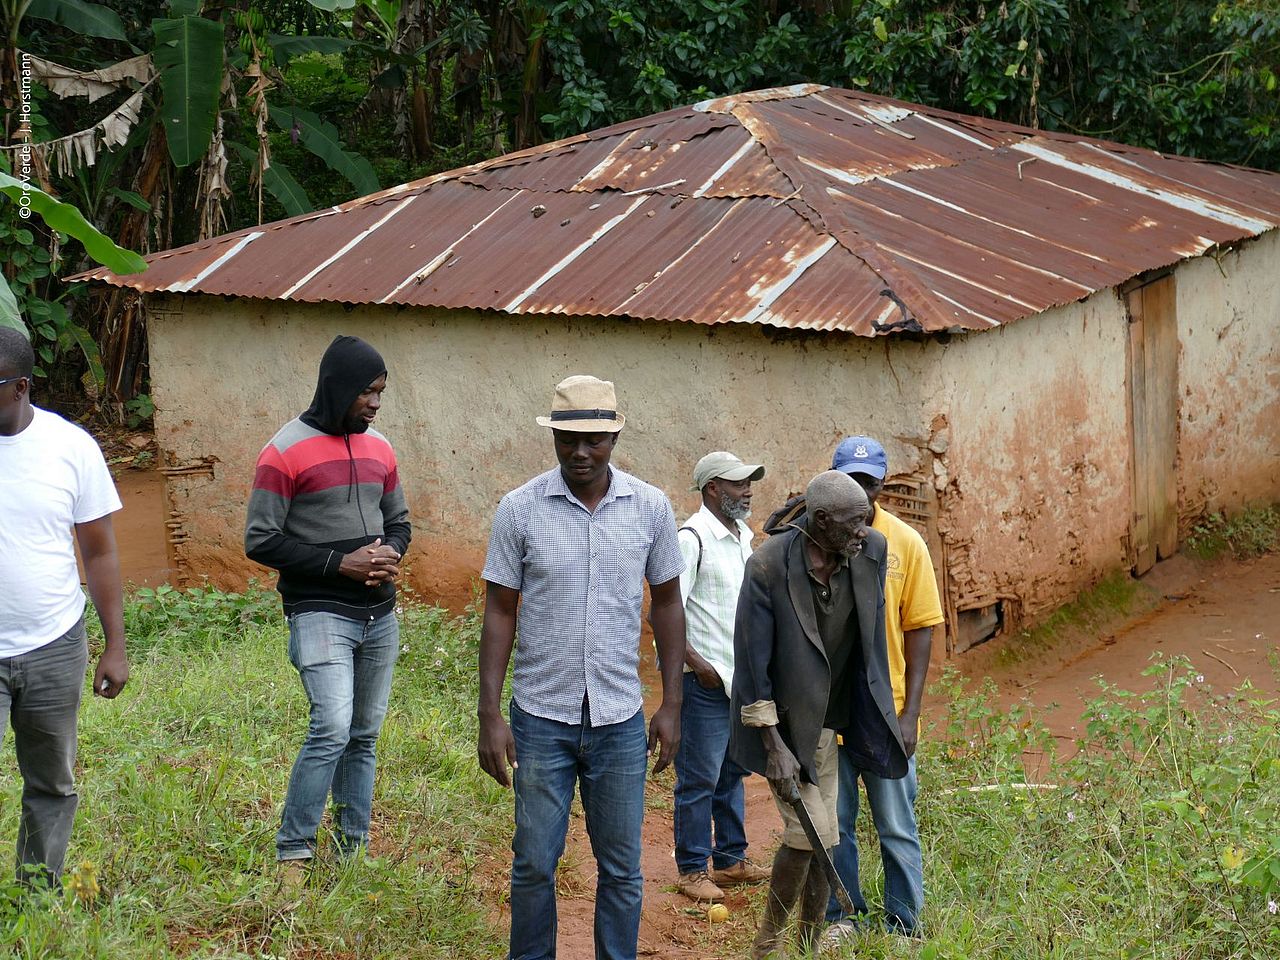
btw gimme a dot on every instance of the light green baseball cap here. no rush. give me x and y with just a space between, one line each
723 465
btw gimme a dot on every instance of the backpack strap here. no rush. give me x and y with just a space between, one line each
787 514
697 569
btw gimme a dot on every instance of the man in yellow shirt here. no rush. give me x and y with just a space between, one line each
912 610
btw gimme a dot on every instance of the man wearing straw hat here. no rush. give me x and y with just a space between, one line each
568 556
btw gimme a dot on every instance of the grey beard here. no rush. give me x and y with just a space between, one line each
733 509
853 550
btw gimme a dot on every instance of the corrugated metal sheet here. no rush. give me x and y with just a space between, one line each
803 207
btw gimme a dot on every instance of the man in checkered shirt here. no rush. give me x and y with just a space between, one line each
568 556
716 543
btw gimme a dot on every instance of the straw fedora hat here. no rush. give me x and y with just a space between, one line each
585 405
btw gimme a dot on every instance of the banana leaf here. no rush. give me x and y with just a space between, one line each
78 16
279 182
188 56
65 218
321 138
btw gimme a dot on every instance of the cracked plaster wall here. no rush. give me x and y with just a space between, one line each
1034 483
464 389
1229 380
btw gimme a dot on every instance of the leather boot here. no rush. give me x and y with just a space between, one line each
790 866
813 907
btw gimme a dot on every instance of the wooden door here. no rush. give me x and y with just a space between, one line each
1153 420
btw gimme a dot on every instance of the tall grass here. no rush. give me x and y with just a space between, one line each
1156 835
181 784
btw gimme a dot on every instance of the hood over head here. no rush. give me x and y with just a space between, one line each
347 367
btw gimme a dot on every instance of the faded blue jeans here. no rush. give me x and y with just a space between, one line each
40 696
346 667
608 764
893 810
708 784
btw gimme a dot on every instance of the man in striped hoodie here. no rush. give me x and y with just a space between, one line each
327 511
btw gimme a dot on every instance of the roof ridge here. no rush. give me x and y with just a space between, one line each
885 266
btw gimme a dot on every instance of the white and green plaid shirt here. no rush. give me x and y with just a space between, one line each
710 592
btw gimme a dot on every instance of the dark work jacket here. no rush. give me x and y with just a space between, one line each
779 656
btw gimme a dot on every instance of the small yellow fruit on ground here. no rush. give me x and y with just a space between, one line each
718 913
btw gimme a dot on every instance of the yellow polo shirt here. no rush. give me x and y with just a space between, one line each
910 594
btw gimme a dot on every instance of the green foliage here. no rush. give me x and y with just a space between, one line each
79 16
65 218
1197 79
614 62
45 322
10 313
331 5
287 47
1249 533
188 56
197 618
279 182
1156 837
139 411
322 138
31 264
180 791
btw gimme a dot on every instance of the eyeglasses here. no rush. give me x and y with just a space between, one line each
12 380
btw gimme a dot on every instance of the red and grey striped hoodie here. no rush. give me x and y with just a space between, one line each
323 488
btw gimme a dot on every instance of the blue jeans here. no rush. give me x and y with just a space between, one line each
40 696
345 666
608 763
708 784
893 810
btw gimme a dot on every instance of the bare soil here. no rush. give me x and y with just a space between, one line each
1220 615
140 530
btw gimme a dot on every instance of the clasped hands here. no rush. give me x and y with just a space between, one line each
375 564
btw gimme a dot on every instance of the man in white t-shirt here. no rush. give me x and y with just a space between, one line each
53 479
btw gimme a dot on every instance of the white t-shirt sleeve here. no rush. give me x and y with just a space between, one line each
96 495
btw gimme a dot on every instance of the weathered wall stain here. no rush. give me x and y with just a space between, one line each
1229 332
1033 482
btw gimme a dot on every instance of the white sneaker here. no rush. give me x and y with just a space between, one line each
836 937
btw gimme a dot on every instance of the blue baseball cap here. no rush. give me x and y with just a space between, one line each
860 455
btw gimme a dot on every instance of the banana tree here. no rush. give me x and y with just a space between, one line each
178 93
50 318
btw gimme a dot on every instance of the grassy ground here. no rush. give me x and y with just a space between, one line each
1161 839
181 784
1116 596
1249 533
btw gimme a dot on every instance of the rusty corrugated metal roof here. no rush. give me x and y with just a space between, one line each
805 207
